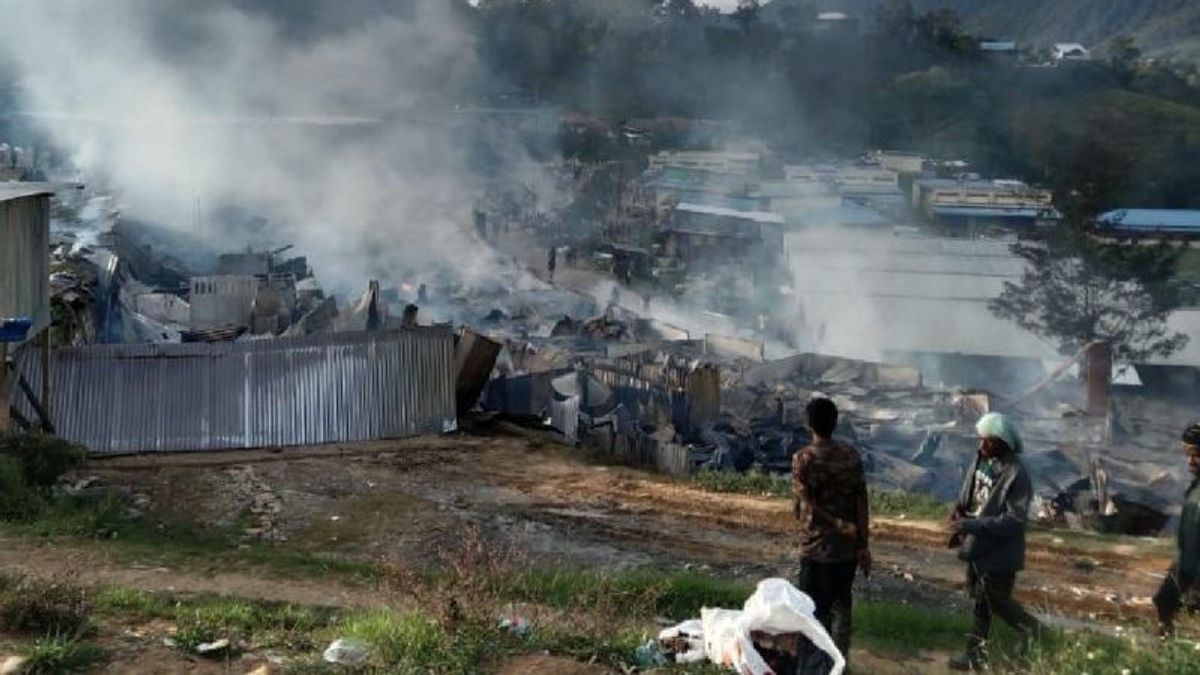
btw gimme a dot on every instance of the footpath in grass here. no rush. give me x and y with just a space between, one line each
591 616
760 483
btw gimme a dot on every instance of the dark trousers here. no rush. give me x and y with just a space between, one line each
993 596
829 585
1169 599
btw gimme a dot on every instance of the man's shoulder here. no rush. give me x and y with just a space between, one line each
834 452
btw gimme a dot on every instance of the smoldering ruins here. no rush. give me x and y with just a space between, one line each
317 224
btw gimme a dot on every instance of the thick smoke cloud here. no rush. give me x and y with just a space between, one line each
330 120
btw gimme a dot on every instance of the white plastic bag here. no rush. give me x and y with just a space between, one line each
692 633
776 607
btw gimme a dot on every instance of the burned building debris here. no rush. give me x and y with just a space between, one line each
685 327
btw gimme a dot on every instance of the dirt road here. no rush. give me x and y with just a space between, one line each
405 501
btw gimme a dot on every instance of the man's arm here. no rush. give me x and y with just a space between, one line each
1012 519
800 501
863 520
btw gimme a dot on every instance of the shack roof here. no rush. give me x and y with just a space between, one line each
722 212
9 191
18 189
988 212
971 184
1153 220
848 215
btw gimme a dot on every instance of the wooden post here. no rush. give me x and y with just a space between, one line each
5 421
1098 363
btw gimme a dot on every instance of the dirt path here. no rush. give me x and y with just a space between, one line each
406 500
92 565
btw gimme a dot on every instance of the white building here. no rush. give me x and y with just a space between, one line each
1071 51
734 163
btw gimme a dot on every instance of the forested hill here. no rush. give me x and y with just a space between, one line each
1161 28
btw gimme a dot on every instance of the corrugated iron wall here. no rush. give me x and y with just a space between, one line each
25 259
261 393
674 392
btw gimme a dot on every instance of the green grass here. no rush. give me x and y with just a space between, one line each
909 504
630 593
55 655
752 482
176 544
44 608
883 502
415 641
903 629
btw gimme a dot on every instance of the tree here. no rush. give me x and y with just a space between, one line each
896 18
1077 289
746 14
1123 53
1123 58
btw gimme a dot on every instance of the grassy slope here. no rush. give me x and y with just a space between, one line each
1160 27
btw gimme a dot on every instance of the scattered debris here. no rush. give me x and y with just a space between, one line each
12 665
776 623
213 647
347 652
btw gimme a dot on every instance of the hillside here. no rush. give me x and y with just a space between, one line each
1160 27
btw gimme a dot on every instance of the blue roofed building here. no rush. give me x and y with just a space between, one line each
1153 223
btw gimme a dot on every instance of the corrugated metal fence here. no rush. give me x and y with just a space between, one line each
25 258
683 394
261 393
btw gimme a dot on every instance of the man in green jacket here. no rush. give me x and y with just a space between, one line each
1186 571
988 528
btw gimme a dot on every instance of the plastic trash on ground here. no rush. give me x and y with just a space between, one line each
347 652
723 636
649 655
515 623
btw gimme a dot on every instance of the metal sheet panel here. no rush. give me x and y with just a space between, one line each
25 258
261 393
564 416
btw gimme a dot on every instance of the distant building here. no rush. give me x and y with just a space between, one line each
701 233
900 162
999 50
784 197
836 24
841 216
1071 51
980 203
997 46
1150 223
733 163
846 180
672 184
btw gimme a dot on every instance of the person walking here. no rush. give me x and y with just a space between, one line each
829 490
1182 577
987 526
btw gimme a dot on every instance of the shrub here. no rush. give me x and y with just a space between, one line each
44 458
45 607
404 642
753 482
17 500
57 654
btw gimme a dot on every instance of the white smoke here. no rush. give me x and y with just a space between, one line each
341 139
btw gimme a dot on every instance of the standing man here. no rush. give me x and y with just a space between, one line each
1185 572
988 528
829 487
552 261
